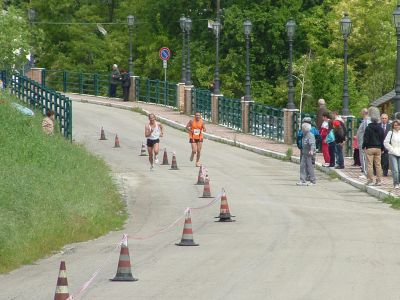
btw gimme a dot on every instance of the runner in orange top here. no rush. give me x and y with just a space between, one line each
196 128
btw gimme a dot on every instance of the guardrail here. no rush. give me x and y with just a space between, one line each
44 99
201 102
156 91
230 112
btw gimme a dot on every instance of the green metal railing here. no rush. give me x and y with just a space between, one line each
78 82
4 77
157 92
44 99
266 121
201 102
230 112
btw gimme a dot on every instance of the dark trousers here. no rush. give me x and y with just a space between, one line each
356 157
385 162
113 90
331 148
339 154
125 91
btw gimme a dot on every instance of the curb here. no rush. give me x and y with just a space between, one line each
375 192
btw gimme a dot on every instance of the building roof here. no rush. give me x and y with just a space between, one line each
385 98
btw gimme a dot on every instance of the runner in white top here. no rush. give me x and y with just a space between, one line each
153 131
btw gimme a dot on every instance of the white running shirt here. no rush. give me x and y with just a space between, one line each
156 132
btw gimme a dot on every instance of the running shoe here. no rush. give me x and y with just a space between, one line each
156 159
151 168
301 183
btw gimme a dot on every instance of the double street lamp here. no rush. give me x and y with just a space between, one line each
217 29
31 18
247 30
131 21
290 29
396 19
345 29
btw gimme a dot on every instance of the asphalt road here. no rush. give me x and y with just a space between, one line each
329 241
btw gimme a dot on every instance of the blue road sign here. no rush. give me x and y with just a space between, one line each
165 53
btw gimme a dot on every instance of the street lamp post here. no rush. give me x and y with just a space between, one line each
345 28
131 22
247 30
290 28
217 30
31 17
188 27
396 19
182 22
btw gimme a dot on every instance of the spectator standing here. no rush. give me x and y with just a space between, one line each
356 152
373 146
392 144
330 140
360 137
314 131
324 130
126 84
307 153
48 123
385 154
320 113
114 80
340 138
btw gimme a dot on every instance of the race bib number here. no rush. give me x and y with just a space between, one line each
196 131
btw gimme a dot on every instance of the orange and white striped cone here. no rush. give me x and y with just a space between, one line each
174 165
143 151
206 190
124 272
116 144
62 284
200 177
187 235
165 158
102 134
224 214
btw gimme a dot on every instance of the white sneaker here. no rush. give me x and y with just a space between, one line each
396 186
362 176
156 159
151 168
301 183
311 183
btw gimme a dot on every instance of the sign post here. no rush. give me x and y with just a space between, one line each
165 55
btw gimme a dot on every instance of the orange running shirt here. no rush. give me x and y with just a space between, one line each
197 130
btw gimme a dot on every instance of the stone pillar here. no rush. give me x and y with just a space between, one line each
188 99
35 74
132 90
181 96
214 108
245 115
288 125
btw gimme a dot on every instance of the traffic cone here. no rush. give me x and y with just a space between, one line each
224 215
62 284
187 235
206 190
124 272
143 150
116 145
200 177
174 165
165 158
102 135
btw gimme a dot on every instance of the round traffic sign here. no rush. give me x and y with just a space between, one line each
165 53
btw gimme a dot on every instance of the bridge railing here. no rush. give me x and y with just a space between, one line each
201 102
230 112
156 91
266 121
42 98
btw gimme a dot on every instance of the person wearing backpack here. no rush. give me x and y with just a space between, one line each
392 144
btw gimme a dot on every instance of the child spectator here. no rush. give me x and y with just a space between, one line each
324 133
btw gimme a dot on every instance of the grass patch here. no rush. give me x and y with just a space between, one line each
289 154
393 201
333 175
52 192
139 110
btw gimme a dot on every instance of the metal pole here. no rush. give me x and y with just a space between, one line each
290 104
188 79
130 51
396 98
345 110
247 85
183 76
216 75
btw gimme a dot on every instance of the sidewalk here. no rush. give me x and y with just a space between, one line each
253 143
